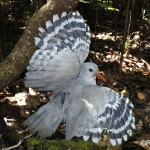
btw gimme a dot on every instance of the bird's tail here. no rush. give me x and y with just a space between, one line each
46 120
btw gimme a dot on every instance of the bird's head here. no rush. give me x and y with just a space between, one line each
89 70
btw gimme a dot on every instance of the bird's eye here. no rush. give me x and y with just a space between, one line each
91 70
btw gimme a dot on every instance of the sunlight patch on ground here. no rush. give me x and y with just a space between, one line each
130 63
112 52
106 36
19 99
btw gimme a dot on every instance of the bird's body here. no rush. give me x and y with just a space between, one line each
86 108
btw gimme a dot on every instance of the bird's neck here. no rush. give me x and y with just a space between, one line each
88 80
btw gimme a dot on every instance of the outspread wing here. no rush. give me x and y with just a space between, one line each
112 111
63 47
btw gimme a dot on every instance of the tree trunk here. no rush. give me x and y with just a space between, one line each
16 62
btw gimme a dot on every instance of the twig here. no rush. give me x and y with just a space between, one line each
95 46
19 143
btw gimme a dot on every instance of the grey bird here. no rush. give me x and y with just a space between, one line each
86 108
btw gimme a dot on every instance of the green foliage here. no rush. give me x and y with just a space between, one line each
127 44
145 15
113 9
83 1
101 4
126 93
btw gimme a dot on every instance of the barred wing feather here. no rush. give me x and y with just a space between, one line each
113 113
63 47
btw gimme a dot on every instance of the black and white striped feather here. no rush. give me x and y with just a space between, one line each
113 114
63 47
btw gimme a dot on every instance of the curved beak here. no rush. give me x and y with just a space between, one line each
100 77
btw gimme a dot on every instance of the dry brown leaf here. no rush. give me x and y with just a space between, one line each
144 144
127 60
24 113
141 95
145 73
139 64
143 140
139 126
147 108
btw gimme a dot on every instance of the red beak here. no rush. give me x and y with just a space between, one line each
100 77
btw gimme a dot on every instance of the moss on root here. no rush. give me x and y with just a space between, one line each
75 144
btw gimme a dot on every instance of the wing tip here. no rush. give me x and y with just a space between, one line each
113 142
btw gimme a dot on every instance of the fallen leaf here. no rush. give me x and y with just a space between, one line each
24 113
143 140
125 92
141 95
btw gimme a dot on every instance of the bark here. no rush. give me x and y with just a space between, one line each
16 62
